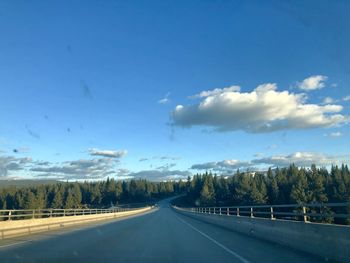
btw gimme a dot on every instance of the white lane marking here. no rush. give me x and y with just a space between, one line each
215 242
13 244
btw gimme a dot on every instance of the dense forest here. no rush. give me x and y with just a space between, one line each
100 194
289 185
279 186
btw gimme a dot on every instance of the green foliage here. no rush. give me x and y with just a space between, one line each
87 194
280 186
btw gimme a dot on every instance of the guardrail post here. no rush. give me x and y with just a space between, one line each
33 214
237 211
228 211
271 211
220 210
251 212
64 212
214 210
50 212
10 213
304 214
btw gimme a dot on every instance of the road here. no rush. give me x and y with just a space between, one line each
159 236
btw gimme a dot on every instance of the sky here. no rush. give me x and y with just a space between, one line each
165 89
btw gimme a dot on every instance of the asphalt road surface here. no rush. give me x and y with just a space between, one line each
159 236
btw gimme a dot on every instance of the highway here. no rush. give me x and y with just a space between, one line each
159 236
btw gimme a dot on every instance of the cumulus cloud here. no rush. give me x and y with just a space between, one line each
107 153
226 166
305 159
313 83
265 109
217 91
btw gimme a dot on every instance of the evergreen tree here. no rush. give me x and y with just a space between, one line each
207 194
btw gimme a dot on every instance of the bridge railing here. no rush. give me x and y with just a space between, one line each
314 212
47 213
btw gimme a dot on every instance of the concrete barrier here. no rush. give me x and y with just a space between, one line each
16 228
324 240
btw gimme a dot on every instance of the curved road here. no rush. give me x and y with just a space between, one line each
159 236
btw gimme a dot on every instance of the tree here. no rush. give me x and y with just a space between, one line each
57 201
272 188
30 201
70 201
207 194
299 189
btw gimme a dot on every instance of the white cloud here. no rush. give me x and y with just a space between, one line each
328 100
165 100
334 134
265 109
301 159
305 159
10 163
161 175
80 169
346 98
225 166
217 91
313 83
107 153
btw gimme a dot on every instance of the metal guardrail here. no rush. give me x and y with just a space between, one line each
47 213
305 212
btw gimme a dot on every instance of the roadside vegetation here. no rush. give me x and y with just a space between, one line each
100 194
290 185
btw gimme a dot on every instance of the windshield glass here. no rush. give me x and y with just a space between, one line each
121 118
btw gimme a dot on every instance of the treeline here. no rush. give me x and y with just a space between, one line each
280 186
87 195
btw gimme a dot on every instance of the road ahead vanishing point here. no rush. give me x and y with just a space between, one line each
159 236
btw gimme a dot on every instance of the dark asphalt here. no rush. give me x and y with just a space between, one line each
160 236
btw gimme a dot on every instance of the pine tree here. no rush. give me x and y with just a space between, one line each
207 194
70 201
300 188
30 201
272 188
57 201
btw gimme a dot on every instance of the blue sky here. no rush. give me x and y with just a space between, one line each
88 88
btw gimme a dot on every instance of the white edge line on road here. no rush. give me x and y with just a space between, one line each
215 242
13 244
